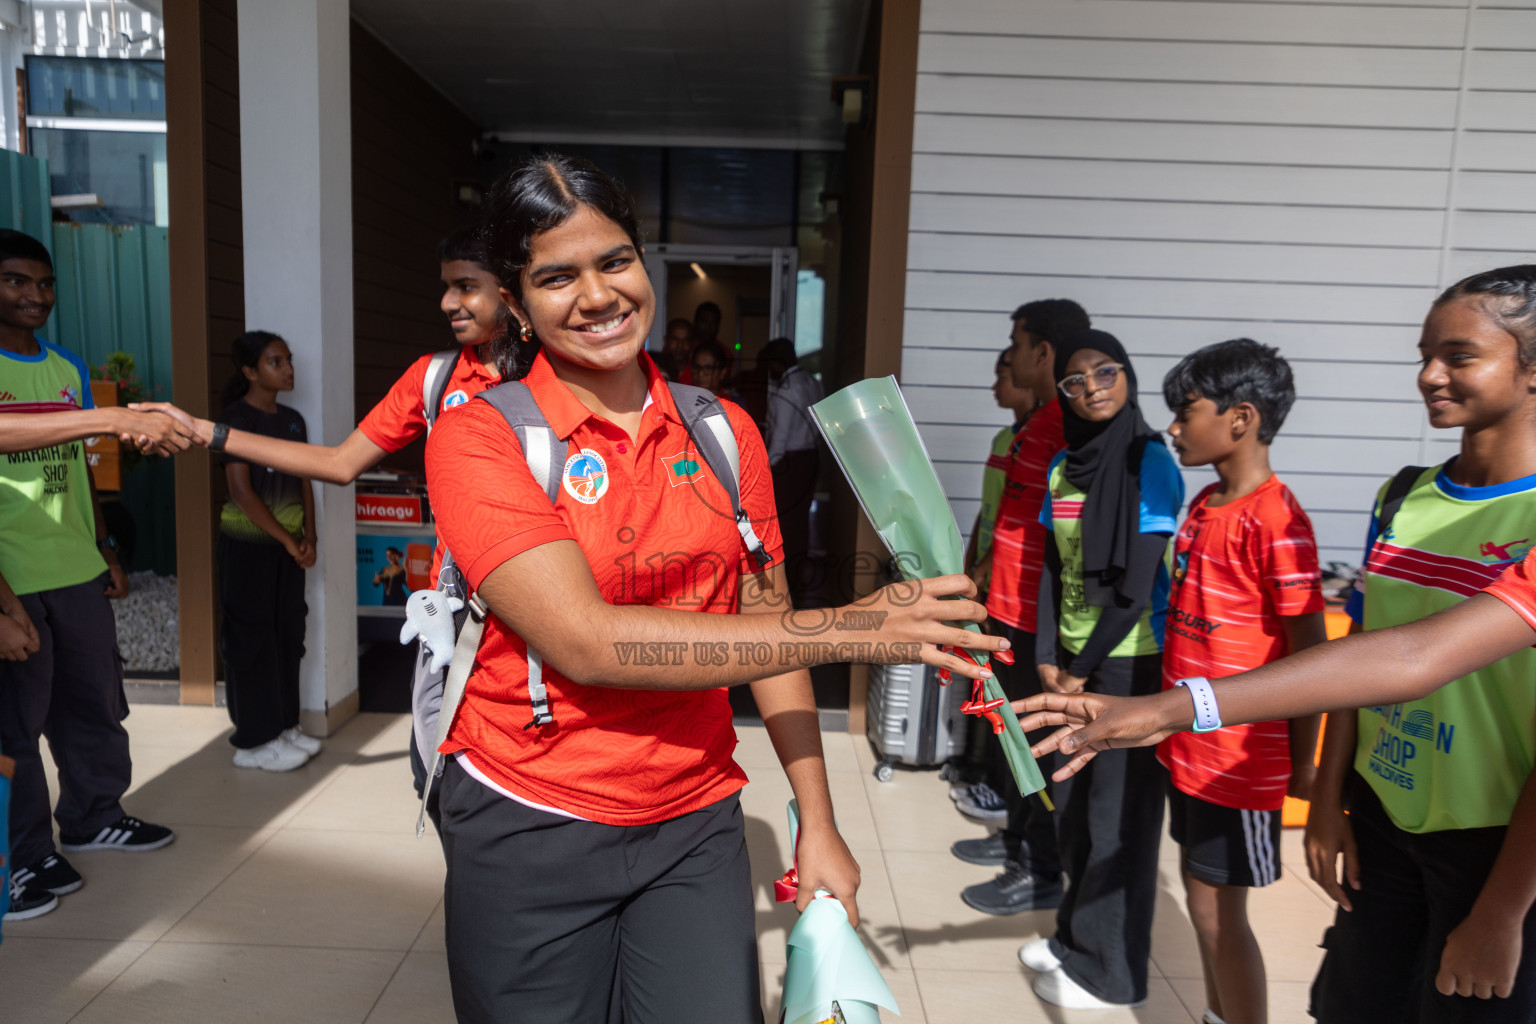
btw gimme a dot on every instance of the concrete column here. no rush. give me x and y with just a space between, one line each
296 186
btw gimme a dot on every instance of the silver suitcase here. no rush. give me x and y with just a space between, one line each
912 720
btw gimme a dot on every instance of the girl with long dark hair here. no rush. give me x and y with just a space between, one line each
597 864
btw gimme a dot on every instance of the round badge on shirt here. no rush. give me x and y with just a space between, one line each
586 476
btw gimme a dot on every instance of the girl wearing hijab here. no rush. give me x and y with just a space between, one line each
1113 502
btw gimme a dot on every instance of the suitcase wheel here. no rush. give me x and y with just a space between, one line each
884 771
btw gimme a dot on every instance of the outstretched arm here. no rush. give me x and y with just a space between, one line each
647 648
151 433
334 464
1384 666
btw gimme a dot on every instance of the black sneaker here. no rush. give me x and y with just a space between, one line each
988 852
1013 892
129 835
51 874
27 902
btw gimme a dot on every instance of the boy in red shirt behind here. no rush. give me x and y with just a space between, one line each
1246 591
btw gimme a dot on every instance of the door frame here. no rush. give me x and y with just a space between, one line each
783 259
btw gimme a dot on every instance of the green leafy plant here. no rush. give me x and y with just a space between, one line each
121 368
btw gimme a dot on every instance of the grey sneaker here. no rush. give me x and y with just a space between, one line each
1014 891
982 803
988 852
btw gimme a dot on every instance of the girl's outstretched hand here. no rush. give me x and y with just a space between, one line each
1093 722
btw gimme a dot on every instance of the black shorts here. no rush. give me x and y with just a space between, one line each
1225 845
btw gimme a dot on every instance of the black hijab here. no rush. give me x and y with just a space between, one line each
1104 459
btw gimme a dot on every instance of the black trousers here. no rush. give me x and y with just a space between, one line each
1414 890
1109 828
261 638
1030 834
554 919
71 691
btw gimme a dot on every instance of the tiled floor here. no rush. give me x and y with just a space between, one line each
306 897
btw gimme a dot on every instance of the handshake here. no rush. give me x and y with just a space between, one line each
158 428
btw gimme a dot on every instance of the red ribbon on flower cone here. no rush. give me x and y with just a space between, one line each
787 888
978 705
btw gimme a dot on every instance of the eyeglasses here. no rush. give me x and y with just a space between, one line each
1103 377
706 367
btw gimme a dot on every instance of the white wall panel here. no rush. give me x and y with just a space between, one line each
1175 336
1329 25
1497 151
1204 222
1460 263
1480 230
1500 111
1206 261
1501 69
1179 179
1132 297
1309 174
1495 190
1154 60
1424 149
1503 29
1205 101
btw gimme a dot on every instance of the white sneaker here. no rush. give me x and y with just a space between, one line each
1037 956
305 742
1059 990
273 756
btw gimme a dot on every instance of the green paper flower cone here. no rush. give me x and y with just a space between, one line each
870 431
828 973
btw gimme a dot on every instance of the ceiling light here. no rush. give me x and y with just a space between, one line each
700 271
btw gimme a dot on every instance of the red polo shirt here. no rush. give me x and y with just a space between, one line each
401 415
657 529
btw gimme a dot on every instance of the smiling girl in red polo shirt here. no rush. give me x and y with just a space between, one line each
597 865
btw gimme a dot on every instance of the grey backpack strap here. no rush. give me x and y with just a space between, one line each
464 651
434 384
521 410
710 428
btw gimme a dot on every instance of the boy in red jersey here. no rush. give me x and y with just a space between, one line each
1025 848
1246 591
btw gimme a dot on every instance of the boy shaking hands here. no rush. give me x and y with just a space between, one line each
1246 591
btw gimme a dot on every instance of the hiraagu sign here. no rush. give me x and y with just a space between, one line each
388 508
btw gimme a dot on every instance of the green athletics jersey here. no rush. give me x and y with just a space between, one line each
47 518
1162 495
993 477
1459 757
